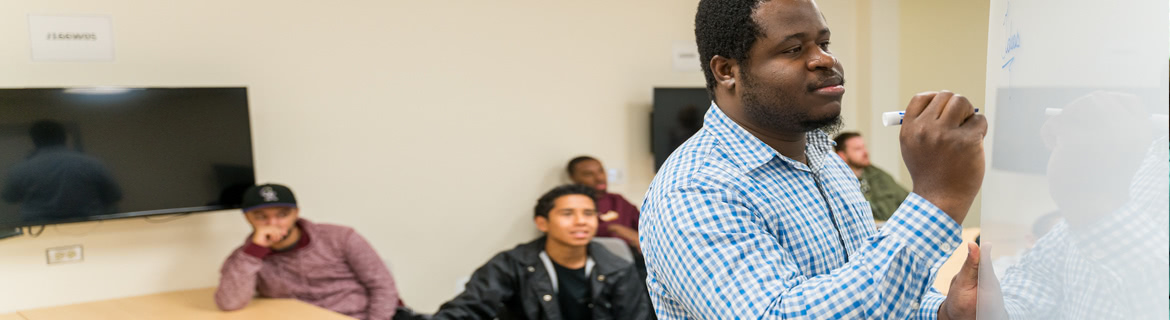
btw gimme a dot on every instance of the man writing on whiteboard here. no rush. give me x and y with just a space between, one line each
755 217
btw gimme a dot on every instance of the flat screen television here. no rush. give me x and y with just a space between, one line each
678 114
83 154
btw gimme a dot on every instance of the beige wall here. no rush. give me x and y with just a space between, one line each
877 82
911 46
842 17
944 47
429 127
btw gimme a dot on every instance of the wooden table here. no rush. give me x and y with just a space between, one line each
188 304
11 316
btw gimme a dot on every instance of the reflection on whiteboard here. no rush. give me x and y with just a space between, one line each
1022 112
1075 220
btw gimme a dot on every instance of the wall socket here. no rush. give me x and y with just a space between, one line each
615 176
64 254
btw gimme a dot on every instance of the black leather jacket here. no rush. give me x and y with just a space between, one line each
515 285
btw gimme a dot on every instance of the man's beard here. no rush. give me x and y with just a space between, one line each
854 164
781 114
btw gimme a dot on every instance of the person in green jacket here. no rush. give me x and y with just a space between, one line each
880 189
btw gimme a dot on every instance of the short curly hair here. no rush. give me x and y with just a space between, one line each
725 28
549 199
575 161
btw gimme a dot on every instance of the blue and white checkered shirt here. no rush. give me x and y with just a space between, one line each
731 229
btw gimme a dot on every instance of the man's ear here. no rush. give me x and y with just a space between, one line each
726 72
841 154
541 223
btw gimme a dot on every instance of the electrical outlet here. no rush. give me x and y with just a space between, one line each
615 176
64 254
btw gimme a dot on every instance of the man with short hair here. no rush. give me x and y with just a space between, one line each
883 193
286 256
618 217
754 217
561 275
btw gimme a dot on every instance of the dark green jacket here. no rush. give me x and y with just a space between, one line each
884 195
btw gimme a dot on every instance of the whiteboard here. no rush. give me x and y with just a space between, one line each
1074 220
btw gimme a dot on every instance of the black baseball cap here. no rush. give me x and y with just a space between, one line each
268 195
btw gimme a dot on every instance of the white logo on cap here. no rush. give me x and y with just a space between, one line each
268 194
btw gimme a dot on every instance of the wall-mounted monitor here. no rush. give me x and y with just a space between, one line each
84 154
678 114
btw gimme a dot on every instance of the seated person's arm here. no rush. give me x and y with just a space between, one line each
625 233
237 281
490 286
373 274
630 234
738 267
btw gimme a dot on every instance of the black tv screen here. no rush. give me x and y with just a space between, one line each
83 154
678 114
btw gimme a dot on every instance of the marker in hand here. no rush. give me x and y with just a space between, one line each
894 118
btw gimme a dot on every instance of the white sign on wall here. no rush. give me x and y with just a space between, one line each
71 38
685 56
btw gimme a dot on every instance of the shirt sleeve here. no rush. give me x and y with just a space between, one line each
237 280
373 274
716 257
930 304
489 287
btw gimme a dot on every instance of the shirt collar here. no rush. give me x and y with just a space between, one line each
751 153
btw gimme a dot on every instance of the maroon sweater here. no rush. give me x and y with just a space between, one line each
335 269
627 213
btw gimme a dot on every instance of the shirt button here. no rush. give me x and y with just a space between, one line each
531 269
547 298
601 278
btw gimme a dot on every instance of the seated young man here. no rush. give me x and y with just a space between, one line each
325 265
561 275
